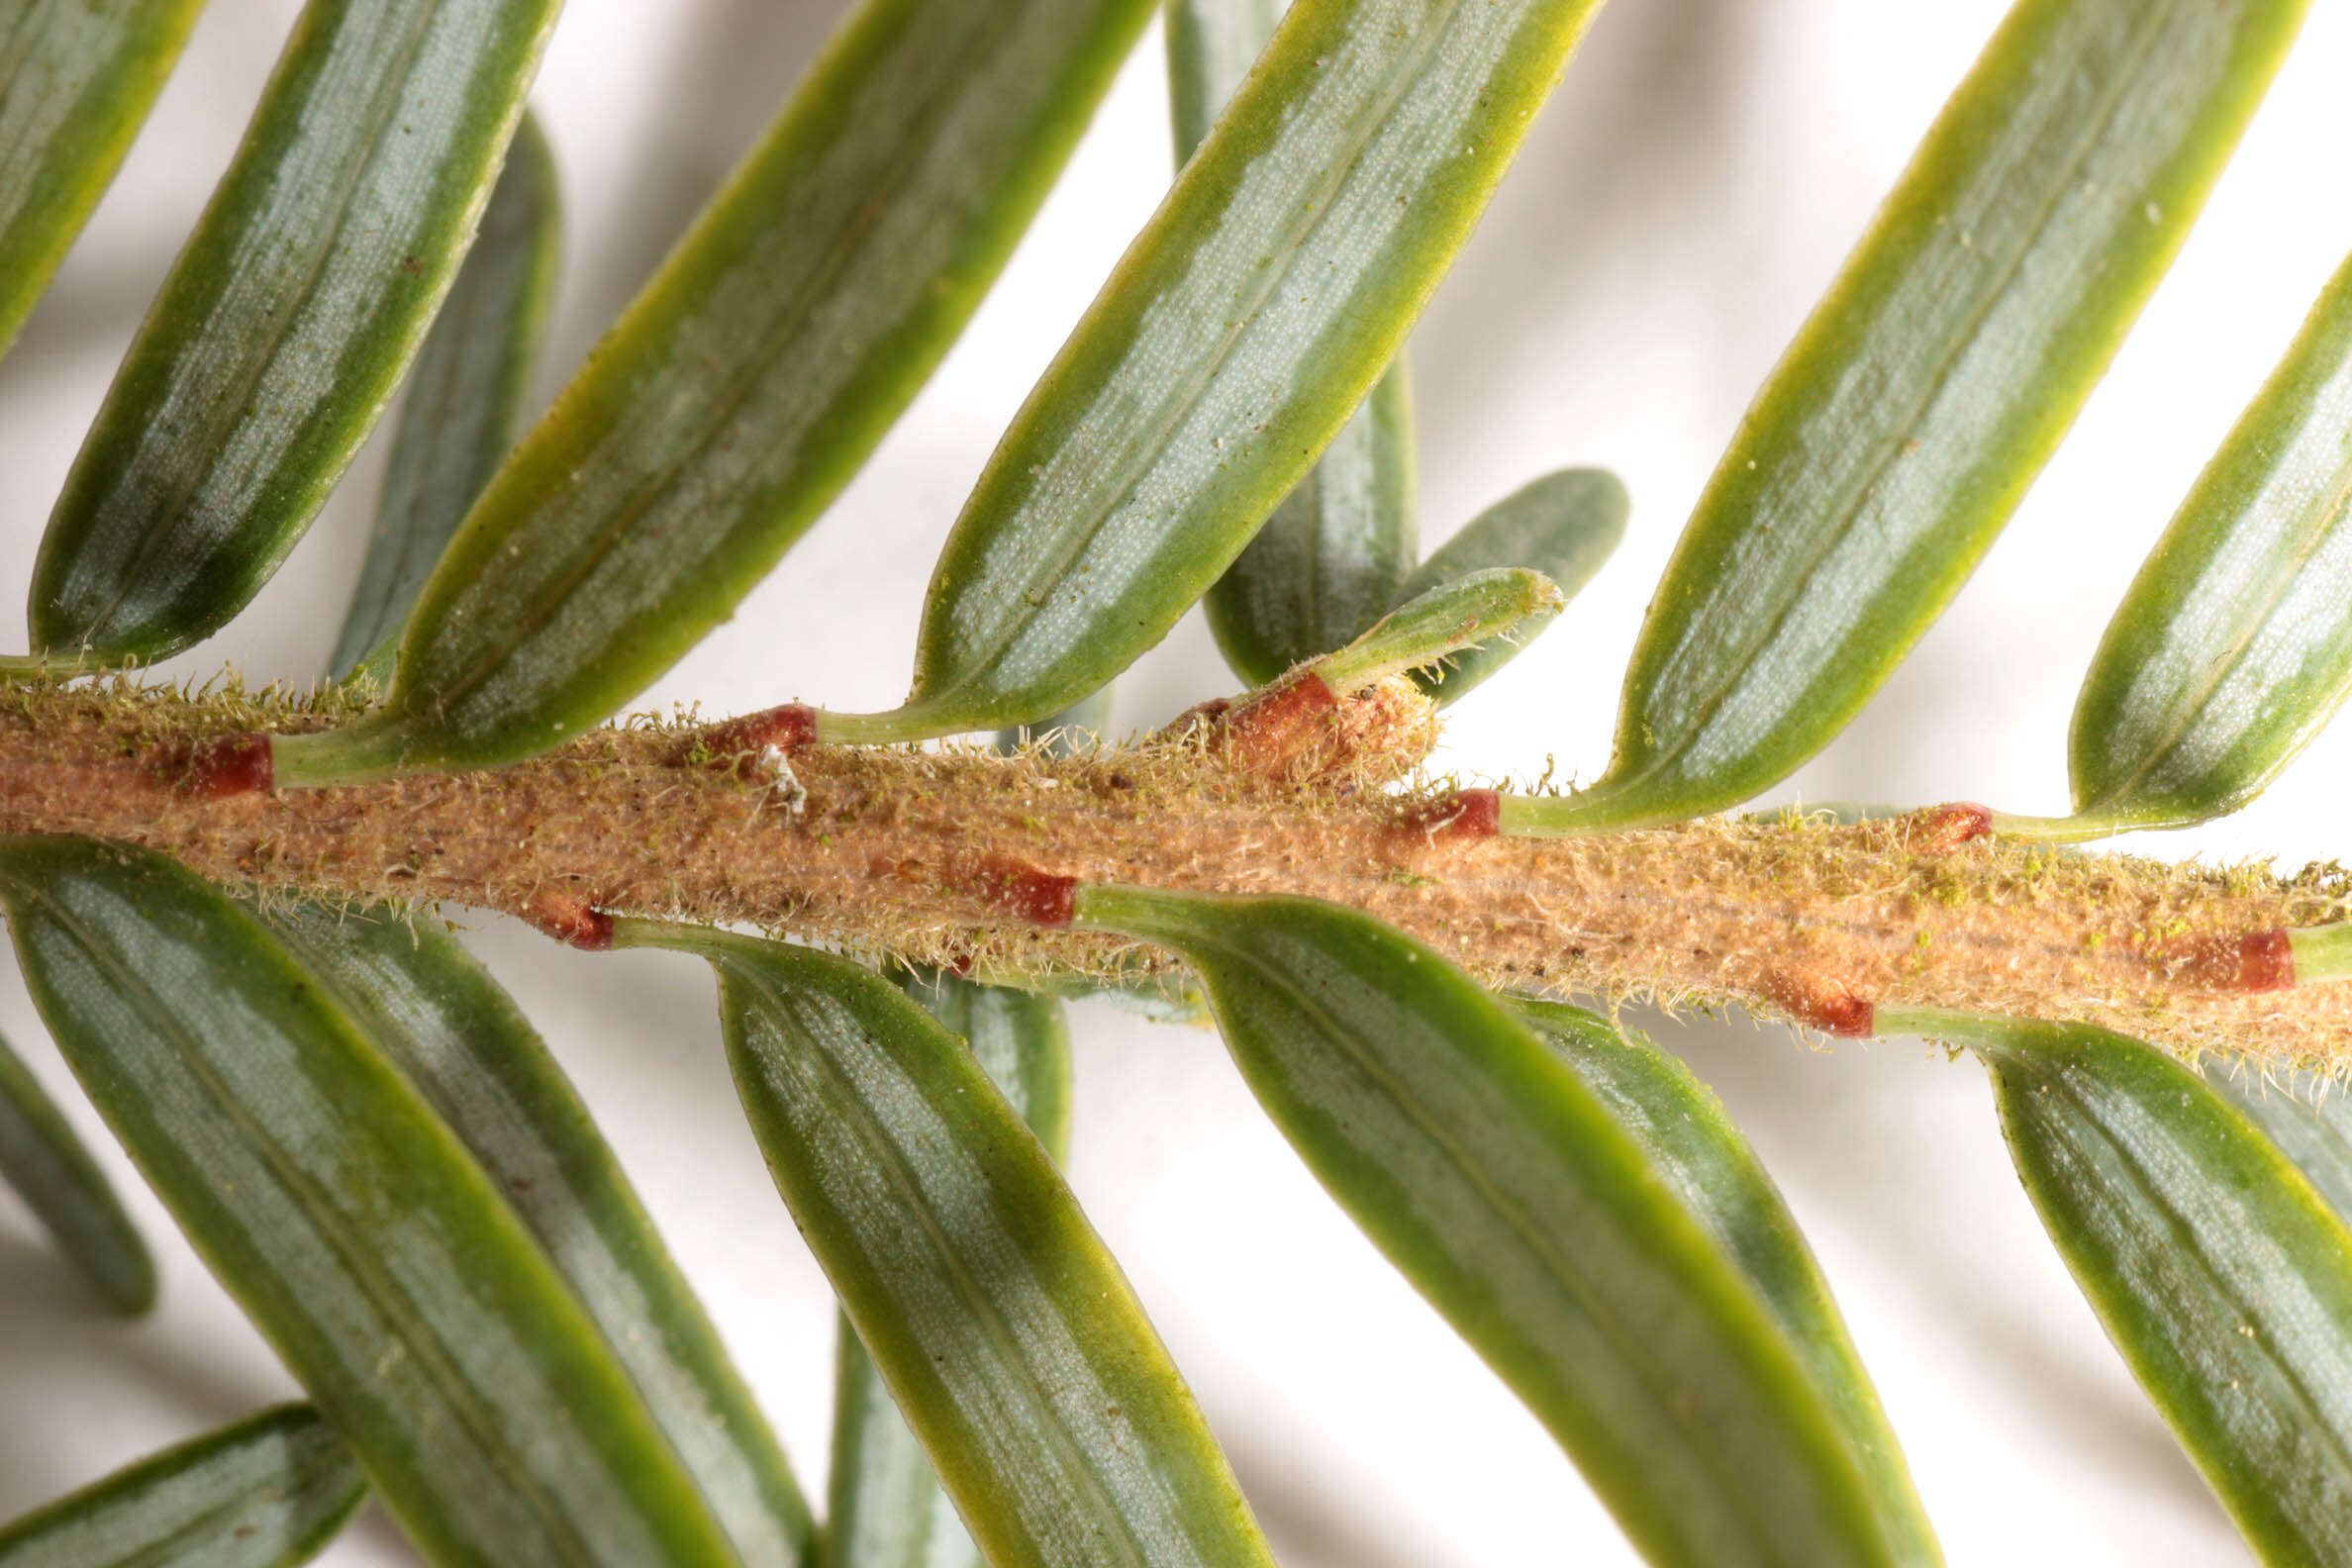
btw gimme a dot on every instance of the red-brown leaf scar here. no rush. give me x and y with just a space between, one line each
1941 829
221 768
1465 814
2245 963
1021 890
1819 1003
571 920
1268 730
1282 721
726 743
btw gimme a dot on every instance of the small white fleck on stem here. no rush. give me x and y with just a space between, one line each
785 787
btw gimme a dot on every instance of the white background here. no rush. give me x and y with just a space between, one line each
1702 171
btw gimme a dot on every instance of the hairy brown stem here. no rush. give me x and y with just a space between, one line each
909 852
